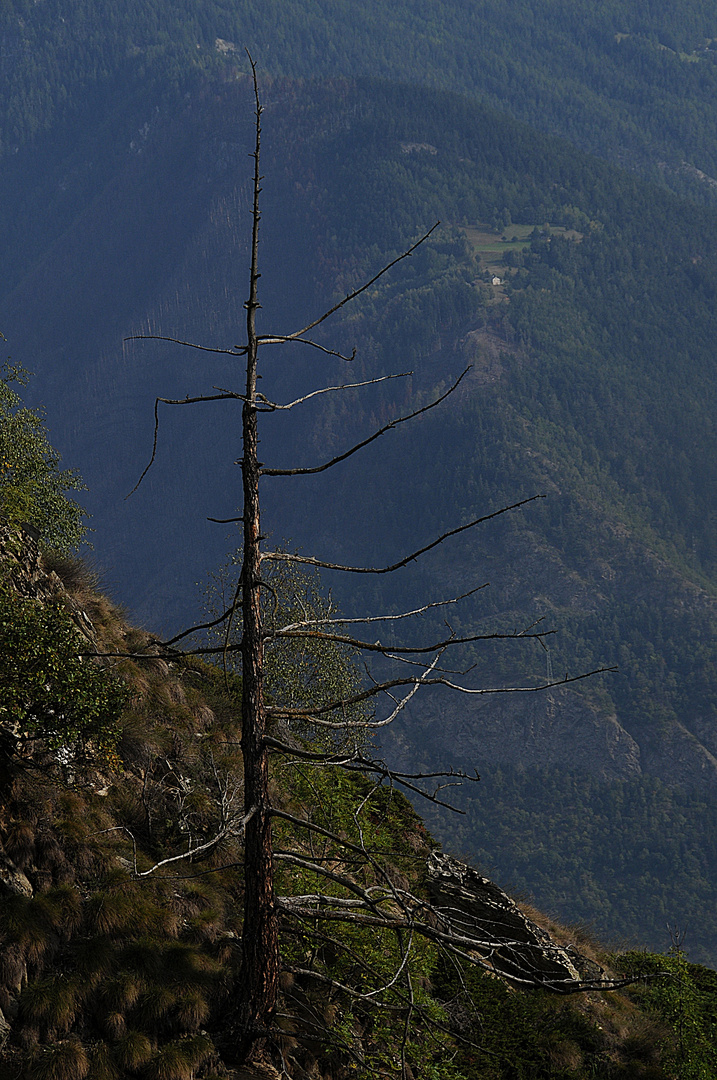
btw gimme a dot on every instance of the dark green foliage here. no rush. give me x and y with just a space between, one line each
626 857
685 1000
389 851
48 690
521 1036
634 87
33 488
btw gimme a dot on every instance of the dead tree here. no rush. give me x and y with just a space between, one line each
385 904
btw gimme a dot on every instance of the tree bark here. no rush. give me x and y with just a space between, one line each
260 938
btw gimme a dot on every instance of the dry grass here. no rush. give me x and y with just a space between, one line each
51 1004
78 577
102 1066
578 935
19 844
133 1050
66 1060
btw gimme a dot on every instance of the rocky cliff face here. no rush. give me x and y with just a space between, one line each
515 946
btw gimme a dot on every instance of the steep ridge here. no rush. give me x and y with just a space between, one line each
120 948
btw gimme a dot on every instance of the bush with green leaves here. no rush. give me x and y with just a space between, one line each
684 998
358 990
33 487
47 689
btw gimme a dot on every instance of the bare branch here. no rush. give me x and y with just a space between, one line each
444 670
360 961
529 689
236 602
350 990
376 646
272 339
339 879
357 292
328 389
464 945
177 401
381 618
313 714
389 651
284 556
237 350
202 626
356 762
232 827
346 845
365 442
360 762
409 1012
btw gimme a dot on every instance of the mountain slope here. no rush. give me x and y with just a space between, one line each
121 887
632 82
592 383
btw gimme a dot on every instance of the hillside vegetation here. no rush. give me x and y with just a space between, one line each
120 950
633 82
123 210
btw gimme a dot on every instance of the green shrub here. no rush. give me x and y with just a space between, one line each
33 488
46 689
683 998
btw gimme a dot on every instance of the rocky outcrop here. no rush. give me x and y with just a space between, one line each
512 944
12 880
23 568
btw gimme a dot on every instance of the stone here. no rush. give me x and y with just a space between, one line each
12 881
511 943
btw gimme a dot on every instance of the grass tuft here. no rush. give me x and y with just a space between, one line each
102 1066
122 911
192 1009
66 1060
20 844
114 1024
156 1003
179 1060
121 993
133 1050
51 1003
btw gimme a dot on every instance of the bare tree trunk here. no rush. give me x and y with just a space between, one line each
260 939
389 907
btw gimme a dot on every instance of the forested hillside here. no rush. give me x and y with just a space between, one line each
634 82
591 382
